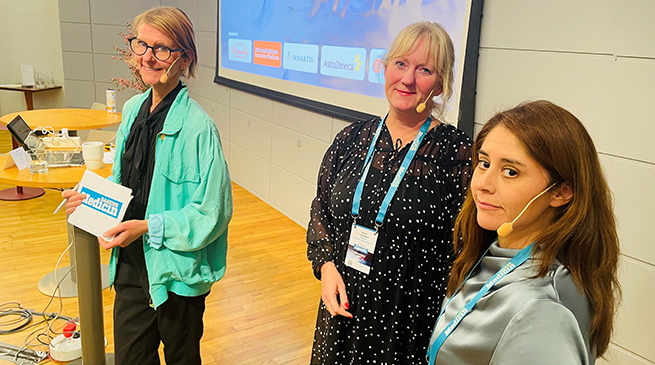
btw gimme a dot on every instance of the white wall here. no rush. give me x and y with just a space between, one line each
596 59
30 35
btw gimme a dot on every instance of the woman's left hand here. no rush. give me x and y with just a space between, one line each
124 233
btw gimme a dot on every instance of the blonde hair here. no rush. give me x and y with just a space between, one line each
440 51
177 26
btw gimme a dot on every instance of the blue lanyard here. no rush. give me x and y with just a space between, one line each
515 262
396 180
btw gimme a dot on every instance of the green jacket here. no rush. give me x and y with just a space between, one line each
190 202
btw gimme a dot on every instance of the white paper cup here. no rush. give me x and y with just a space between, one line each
94 164
93 153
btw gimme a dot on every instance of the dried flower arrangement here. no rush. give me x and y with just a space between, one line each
126 56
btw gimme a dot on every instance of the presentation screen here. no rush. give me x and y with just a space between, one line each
325 51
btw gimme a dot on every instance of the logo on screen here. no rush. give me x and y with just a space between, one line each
239 50
300 58
343 66
101 203
267 53
377 65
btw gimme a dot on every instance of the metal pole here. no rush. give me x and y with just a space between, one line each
71 252
89 294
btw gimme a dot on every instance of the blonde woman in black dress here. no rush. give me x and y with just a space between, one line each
381 288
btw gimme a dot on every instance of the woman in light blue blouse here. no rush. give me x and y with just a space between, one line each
535 278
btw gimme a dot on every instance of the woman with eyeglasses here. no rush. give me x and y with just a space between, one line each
171 246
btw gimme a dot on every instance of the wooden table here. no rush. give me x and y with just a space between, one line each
73 119
56 177
28 91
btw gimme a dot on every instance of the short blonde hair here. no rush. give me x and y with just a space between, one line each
176 25
440 51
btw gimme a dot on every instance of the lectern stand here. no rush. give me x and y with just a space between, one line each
89 294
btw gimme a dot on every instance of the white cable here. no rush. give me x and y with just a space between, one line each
57 289
45 317
26 342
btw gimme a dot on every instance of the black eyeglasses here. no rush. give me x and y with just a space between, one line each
161 53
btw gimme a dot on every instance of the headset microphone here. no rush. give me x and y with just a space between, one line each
421 107
164 78
506 228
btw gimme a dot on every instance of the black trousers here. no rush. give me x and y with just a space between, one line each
139 328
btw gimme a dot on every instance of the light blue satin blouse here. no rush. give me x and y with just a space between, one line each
520 320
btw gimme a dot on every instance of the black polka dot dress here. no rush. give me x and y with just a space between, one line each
396 305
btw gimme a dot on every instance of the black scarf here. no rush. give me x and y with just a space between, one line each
138 162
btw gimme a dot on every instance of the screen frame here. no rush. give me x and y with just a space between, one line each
20 130
466 105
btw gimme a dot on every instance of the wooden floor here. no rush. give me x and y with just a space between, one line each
262 312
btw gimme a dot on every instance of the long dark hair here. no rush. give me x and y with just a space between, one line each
582 235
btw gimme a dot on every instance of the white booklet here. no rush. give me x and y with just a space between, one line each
104 206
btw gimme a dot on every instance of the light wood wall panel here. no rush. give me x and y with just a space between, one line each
80 94
560 25
207 10
118 12
78 66
618 356
251 133
204 85
75 37
297 153
634 205
206 47
302 121
636 319
190 7
290 194
107 36
250 171
252 104
636 36
610 96
219 112
107 68
74 11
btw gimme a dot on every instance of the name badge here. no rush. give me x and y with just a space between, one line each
361 247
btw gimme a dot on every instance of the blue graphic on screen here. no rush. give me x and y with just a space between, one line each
101 203
336 44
